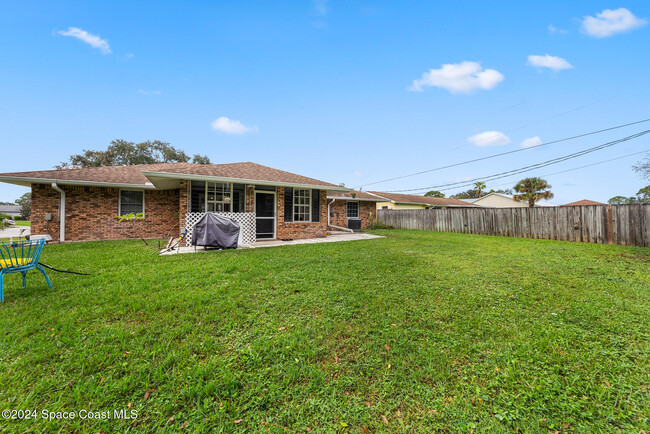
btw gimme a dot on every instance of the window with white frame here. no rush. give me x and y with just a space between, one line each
131 201
301 205
218 196
353 210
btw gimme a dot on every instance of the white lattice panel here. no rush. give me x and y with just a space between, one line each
246 221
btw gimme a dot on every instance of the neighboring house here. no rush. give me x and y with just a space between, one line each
351 210
83 204
584 202
10 210
500 200
411 201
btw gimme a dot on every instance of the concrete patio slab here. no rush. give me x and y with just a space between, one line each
15 232
276 243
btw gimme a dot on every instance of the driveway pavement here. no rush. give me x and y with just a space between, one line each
14 232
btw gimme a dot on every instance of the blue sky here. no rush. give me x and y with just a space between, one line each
353 92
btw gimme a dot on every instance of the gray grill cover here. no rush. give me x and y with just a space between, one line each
215 231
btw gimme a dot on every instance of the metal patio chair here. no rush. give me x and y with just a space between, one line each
20 257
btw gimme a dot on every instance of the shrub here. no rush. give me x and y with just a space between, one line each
375 223
4 217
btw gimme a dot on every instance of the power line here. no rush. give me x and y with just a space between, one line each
505 153
557 173
530 167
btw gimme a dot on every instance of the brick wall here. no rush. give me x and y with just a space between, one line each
301 230
339 208
91 213
250 198
45 200
183 202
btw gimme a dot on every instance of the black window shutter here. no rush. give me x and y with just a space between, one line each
288 204
315 205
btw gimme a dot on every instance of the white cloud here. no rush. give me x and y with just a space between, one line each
150 92
552 62
358 174
459 77
93 40
531 142
489 138
129 55
610 22
231 126
320 6
553 30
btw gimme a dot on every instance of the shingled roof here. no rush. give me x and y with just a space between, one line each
584 202
420 200
141 175
354 195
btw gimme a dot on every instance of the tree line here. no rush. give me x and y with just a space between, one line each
643 195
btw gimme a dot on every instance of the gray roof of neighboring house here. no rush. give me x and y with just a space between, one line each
10 209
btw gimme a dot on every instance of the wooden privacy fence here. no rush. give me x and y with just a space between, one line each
613 224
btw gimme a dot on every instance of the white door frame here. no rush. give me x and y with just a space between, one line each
275 212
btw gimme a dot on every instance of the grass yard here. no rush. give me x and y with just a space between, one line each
417 332
23 223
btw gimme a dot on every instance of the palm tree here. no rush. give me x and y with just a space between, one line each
479 186
531 190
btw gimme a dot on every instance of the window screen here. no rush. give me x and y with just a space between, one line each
131 202
353 210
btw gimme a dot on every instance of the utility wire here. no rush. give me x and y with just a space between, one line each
505 153
554 173
532 166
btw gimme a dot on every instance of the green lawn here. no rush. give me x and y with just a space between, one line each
23 223
417 332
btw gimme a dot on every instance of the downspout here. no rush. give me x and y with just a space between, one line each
331 225
61 211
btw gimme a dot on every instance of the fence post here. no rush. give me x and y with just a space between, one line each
610 225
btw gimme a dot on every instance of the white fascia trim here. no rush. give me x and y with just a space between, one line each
19 180
384 199
355 199
413 203
61 211
241 181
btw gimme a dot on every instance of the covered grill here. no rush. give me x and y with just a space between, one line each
215 231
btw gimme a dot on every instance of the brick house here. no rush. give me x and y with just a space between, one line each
83 204
352 210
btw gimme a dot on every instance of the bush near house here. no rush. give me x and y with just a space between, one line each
415 332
